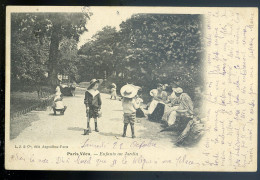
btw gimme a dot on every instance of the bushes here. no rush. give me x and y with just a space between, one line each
151 49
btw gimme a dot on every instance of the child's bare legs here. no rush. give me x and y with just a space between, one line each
96 127
124 131
88 126
54 110
133 130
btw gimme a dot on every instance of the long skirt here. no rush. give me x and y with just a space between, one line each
152 106
139 113
157 114
170 114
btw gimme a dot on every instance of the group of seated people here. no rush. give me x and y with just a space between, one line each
174 108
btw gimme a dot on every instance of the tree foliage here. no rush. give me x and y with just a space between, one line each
68 60
152 48
36 39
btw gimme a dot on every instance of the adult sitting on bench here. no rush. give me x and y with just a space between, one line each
58 103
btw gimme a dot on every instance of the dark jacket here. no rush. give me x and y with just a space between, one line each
91 101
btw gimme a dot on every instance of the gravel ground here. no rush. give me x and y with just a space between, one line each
44 127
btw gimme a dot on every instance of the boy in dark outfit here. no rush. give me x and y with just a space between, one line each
93 103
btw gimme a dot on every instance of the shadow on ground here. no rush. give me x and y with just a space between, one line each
116 119
57 114
75 129
118 110
152 130
110 134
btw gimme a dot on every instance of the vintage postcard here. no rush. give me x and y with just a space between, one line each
131 88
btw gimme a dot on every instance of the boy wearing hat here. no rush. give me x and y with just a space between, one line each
130 104
93 103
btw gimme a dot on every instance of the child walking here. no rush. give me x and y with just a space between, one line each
130 105
93 103
113 91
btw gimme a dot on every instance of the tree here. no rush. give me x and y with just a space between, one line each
29 53
152 48
50 27
68 60
101 51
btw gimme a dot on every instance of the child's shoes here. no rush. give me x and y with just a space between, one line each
86 132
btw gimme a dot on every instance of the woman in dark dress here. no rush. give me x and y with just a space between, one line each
158 102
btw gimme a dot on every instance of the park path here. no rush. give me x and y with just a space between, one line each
49 129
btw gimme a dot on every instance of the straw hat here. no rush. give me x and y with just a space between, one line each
93 81
153 92
113 84
137 87
128 91
177 90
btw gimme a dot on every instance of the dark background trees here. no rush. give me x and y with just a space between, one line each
37 55
148 49
151 48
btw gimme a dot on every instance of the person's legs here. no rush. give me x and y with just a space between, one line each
64 109
54 110
133 130
172 118
124 130
152 106
96 126
88 126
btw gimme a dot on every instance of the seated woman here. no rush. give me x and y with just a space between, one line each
156 108
170 96
192 132
181 106
58 103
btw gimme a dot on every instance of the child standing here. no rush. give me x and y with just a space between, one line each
130 105
93 103
113 91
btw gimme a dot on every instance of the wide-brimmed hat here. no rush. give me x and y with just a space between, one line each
113 84
128 91
177 90
92 82
153 92
165 85
137 87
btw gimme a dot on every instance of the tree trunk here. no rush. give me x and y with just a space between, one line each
53 56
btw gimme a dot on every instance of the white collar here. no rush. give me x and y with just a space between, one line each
93 93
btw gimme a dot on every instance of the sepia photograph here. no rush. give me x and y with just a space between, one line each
142 73
125 88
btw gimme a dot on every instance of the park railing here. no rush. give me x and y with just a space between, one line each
42 105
